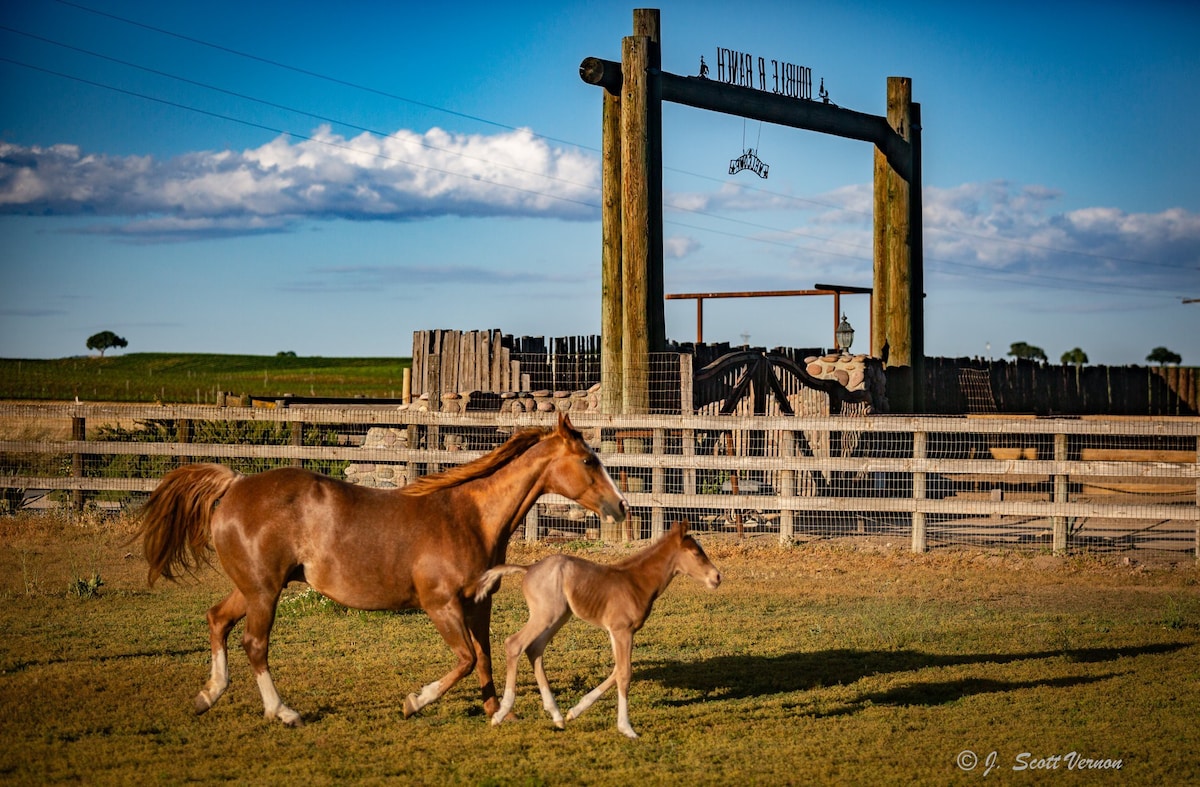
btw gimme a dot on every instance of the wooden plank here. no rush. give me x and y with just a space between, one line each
1136 455
373 414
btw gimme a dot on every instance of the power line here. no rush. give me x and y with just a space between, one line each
981 271
986 272
304 137
478 119
286 108
308 73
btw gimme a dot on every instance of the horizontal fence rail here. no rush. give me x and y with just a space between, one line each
1120 485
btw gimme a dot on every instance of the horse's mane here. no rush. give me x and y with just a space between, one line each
484 466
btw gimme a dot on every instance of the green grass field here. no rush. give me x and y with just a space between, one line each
197 378
812 664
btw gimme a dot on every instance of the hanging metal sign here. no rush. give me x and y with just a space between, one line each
745 70
749 160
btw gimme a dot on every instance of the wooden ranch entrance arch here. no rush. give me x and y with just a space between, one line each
633 319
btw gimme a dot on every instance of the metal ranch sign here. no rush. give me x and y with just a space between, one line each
745 70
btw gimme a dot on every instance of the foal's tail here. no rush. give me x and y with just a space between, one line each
175 522
489 581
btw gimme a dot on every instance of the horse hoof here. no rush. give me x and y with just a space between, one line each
410 705
201 703
296 722
562 725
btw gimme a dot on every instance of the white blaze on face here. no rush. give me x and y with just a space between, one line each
612 485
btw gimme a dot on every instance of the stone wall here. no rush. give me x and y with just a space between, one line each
855 372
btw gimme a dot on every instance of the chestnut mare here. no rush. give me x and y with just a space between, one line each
376 549
617 598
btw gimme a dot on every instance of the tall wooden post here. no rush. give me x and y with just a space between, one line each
893 307
611 295
635 223
647 22
916 234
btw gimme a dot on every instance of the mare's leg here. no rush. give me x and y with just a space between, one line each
221 619
480 623
260 617
452 625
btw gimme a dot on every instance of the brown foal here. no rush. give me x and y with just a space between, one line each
618 598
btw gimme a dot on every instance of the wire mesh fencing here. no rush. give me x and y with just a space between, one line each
1115 485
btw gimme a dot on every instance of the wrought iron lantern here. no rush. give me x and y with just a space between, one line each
845 335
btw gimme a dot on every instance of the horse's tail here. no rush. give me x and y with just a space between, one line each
176 520
489 581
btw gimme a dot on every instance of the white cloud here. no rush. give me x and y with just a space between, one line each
1007 229
679 246
400 177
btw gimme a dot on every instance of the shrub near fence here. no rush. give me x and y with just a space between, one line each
1097 484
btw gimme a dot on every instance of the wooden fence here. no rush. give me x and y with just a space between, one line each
495 362
1049 389
1060 484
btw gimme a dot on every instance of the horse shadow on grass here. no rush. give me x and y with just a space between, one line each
751 676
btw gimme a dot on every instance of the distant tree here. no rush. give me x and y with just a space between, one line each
1076 356
105 340
1161 356
286 354
1026 351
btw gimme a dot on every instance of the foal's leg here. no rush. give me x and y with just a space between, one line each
586 701
532 640
260 617
450 623
622 642
535 651
221 619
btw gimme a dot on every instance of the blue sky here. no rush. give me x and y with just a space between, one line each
328 178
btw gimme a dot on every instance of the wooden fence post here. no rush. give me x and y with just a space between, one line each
787 487
658 484
1061 495
919 542
183 434
686 385
297 441
531 524
78 433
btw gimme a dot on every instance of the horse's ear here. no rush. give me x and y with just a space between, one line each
680 527
564 422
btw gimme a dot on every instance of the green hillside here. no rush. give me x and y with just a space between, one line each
197 378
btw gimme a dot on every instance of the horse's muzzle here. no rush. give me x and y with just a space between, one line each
619 512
